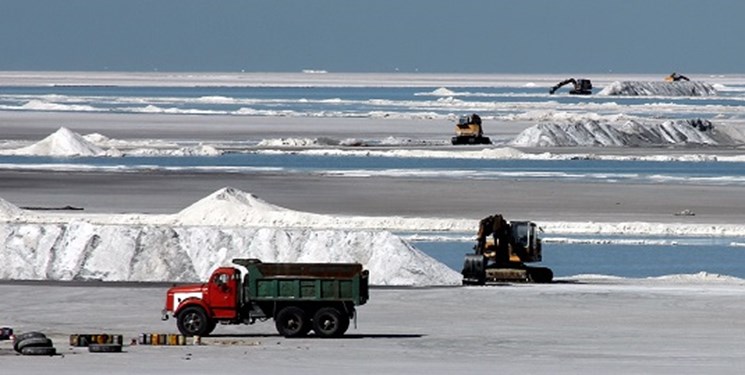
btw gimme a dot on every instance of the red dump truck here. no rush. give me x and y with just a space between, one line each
300 297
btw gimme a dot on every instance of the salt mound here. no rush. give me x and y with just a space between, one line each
659 88
200 150
8 210
442 91
697 277
97 138
83 251
584 133
227 206
298 142
63 142
632 133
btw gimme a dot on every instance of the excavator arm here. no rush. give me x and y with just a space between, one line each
562 83
674 77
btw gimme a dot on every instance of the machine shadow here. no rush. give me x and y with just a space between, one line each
311 336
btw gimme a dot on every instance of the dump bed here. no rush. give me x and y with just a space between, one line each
328 282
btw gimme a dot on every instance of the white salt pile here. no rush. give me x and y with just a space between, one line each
63 143
170 249
298 142
82 251
66 143
8 210
659 88
632 133
235 208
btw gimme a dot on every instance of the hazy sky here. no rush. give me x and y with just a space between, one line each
517 36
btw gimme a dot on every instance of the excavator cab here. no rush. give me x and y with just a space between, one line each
526 244
501 251
581 86
468 131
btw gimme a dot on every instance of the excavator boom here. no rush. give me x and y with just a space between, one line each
580 86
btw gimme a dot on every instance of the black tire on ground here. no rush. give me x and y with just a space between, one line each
32 342
24 336
330 322
344 324
39 350
211 327
193 321
28 335
292 321
105 348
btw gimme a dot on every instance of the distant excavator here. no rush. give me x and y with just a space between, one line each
581 86
502 249
468 131
675 77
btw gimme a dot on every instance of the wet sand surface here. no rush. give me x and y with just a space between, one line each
544 200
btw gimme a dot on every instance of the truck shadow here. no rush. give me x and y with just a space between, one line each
311 336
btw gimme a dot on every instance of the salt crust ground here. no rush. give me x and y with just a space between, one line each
583 325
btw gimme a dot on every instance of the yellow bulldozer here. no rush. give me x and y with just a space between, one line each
501 251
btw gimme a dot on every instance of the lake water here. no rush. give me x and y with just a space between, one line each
636 261
355 101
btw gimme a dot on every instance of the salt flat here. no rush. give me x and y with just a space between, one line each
579 326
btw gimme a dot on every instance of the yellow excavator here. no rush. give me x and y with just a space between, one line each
675 77
468 131
501 251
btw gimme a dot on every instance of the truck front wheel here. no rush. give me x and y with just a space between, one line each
292 321
193 321
329 322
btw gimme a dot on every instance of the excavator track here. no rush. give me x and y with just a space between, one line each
477 272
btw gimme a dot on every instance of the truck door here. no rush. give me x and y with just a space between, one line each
223 291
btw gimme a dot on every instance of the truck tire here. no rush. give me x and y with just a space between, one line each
193 321
292 321
330 322
211 327
105 348
24 336
32 342
39 350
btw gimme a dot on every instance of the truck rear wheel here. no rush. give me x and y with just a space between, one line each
193 321
329 322
292 321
